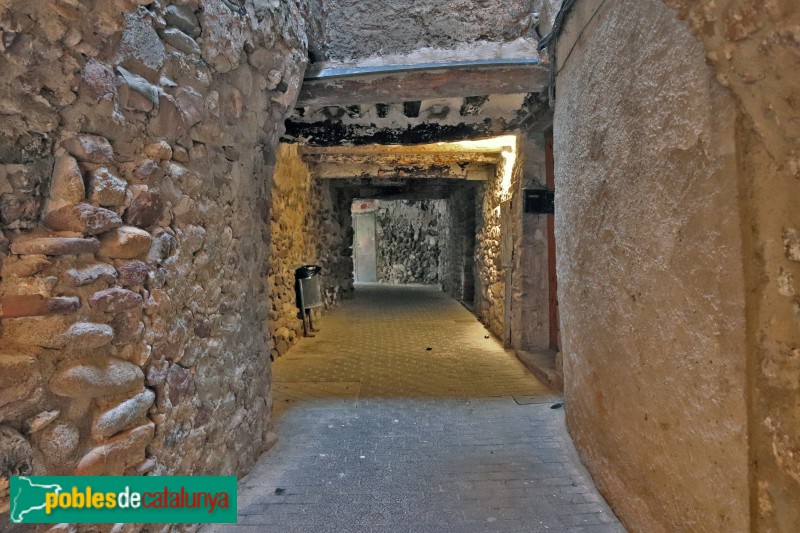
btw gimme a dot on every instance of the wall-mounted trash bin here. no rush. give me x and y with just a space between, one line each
308 283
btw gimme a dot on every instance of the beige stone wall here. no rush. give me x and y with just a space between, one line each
491 280
408 239
754 49
290 245
651 284
135 162
309 225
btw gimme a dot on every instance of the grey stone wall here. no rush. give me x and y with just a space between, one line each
136 152
409 237
314 16
362 28
458 244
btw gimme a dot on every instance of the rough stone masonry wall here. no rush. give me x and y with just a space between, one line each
363 28
490 285
754 48
135 159
409 240
651 285
307 228
458 244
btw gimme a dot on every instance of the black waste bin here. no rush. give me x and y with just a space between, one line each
308 285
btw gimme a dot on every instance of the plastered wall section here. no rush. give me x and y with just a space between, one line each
136 152
363 28
651 283
530 309
754 48
309 225
547 9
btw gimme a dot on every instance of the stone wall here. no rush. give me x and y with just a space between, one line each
754 47
490 290
409 240
309 225
547 9
362 28
530 309
651 284
314 16
457 271
136 149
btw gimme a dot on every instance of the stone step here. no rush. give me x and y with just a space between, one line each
542 364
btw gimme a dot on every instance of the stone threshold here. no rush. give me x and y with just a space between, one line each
542 364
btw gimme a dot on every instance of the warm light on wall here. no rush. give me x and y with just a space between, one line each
507 146
509 159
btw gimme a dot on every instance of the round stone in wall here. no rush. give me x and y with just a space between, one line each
58 441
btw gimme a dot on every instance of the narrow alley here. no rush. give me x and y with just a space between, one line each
400 415
551 249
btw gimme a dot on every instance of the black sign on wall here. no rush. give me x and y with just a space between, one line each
539 201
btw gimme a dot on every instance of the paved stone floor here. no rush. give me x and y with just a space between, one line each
401 416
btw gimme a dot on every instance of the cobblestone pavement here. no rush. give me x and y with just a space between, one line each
377 433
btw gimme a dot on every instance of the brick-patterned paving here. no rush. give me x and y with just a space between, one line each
381 339
377 433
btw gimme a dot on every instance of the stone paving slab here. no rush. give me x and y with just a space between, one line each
376 434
